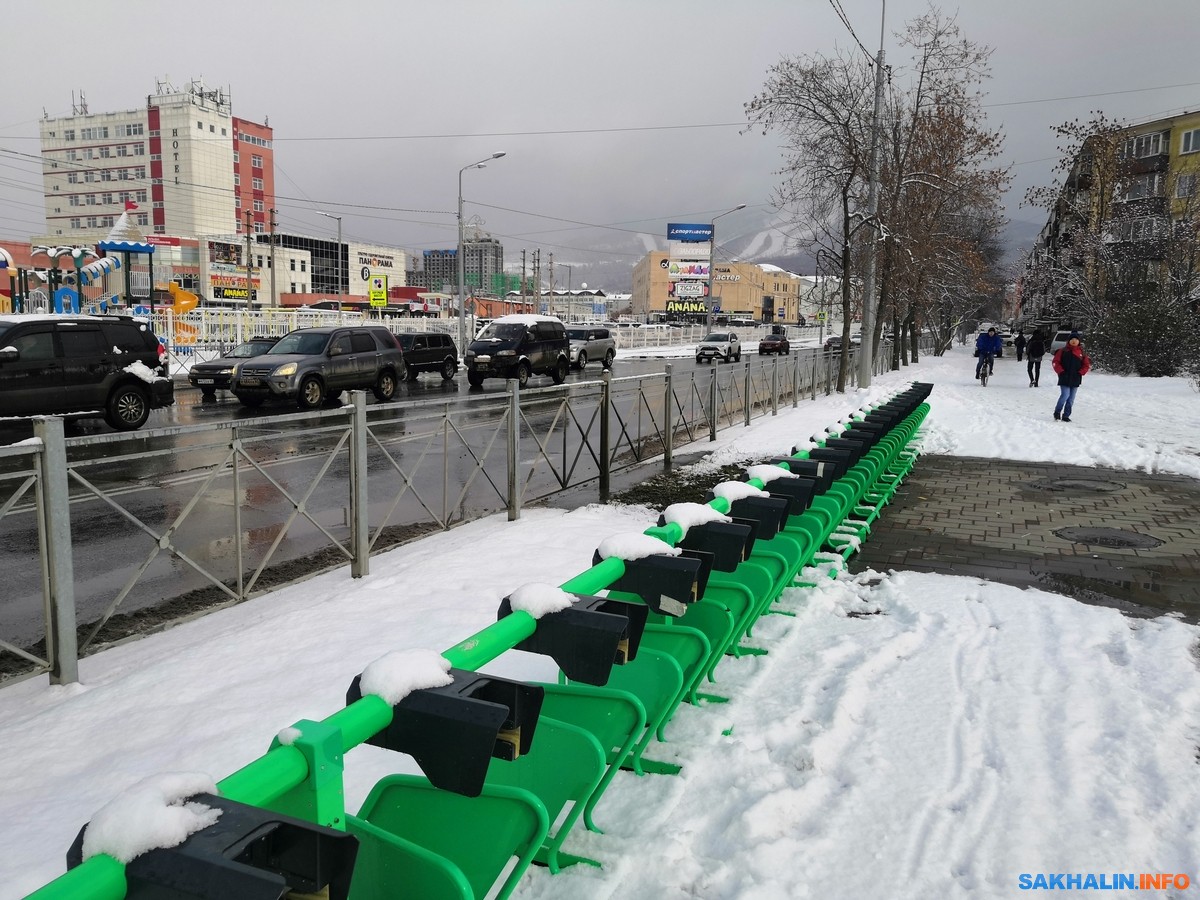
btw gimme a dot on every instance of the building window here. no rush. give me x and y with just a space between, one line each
258 206
237 157
1145 145
304 265
1149 185
89 177
1189 142
257 184
139 149
92 222
293 287
75 223
72 178
199 126
143 219
106 198
141 196
223 134
258 228
256 161
237 202
107 221
68 135
71 155
88 153
122 150
73 200
1185 185
237 179
293 268
212 129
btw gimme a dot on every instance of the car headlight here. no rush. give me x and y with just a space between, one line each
286 369
506 352
227 371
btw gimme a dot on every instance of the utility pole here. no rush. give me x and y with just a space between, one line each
551 282
537 280
866 351
274 295
523 303
249 262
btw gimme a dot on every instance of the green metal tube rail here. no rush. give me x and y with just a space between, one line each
284 768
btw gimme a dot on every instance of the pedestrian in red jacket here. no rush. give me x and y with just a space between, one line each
1071 364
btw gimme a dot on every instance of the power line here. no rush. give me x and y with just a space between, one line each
841 14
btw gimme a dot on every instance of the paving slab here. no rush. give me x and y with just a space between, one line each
1113 537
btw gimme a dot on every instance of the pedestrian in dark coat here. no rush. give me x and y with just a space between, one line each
1019 343
1071 364
1036 349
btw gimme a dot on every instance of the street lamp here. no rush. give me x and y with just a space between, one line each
570 299
462 269
338 291
712 259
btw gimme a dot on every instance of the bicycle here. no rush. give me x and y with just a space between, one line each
985 368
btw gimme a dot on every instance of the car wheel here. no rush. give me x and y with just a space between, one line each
582 363
385 386
208 393
312 393
249 400
523 374
128 408
449 367
609 356
738 356
474 380
728 358
560 372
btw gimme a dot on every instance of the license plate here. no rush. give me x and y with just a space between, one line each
250 380
205 381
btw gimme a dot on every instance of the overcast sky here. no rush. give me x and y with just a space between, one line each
622 113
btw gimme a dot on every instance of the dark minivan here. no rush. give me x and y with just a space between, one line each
82 366
517 347
429 352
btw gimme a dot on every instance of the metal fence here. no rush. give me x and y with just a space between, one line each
182 520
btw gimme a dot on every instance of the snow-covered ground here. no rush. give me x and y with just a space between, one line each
909 735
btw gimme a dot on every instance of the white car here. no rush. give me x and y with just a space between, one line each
1061 338
722 345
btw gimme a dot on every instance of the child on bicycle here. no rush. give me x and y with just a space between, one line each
987 347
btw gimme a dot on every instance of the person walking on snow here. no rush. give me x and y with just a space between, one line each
1036 349
1019 343
1071 364
987 347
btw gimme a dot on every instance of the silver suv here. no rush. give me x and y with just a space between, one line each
312 365
591 344
722 345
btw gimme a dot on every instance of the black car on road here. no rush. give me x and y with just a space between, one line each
217 374
429 353
82 366
517 347
312 365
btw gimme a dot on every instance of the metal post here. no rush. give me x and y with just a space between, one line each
867 350
605 437
712 405
249 265
712 259
235 445
796 381
274 295
669 416
514 449
774 386
54 504
360 537
746 393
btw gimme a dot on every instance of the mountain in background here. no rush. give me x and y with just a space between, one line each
609 261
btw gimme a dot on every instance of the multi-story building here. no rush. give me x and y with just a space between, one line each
763 292
1127 206
483 260
183 165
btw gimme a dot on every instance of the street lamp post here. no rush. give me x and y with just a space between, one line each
712 259
866 352
462 269
338 286
570 298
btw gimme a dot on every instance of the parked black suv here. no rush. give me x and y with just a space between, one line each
429 353
517 347
218 373
82 366
312 365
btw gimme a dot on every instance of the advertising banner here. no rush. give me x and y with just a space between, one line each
688 307
686 250
683 269
689 233
690 289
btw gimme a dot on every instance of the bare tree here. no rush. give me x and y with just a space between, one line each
939 163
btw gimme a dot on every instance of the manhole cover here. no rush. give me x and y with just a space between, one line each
1113 538
1079 485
